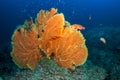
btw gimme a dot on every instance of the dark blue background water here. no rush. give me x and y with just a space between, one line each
15 12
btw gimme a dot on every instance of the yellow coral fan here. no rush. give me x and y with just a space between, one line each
71 50
54 36
42 19
51 31
65 43
25 51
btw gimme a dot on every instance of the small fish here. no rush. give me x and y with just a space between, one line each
101 24
90 17
78 27
102 39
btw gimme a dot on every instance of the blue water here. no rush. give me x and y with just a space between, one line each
102 12
101 18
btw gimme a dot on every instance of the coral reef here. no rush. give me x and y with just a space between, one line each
49 70
64 43
106 55
103 62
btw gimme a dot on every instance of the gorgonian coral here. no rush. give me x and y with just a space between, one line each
54 37
25 52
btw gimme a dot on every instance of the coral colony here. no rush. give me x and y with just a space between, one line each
51 37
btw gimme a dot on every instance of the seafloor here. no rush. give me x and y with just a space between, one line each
103 62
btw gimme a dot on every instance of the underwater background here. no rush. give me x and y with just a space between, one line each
101 19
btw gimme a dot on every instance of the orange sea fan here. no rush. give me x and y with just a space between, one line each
71 50
42 19
51 31
25 52
54 36
65 44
